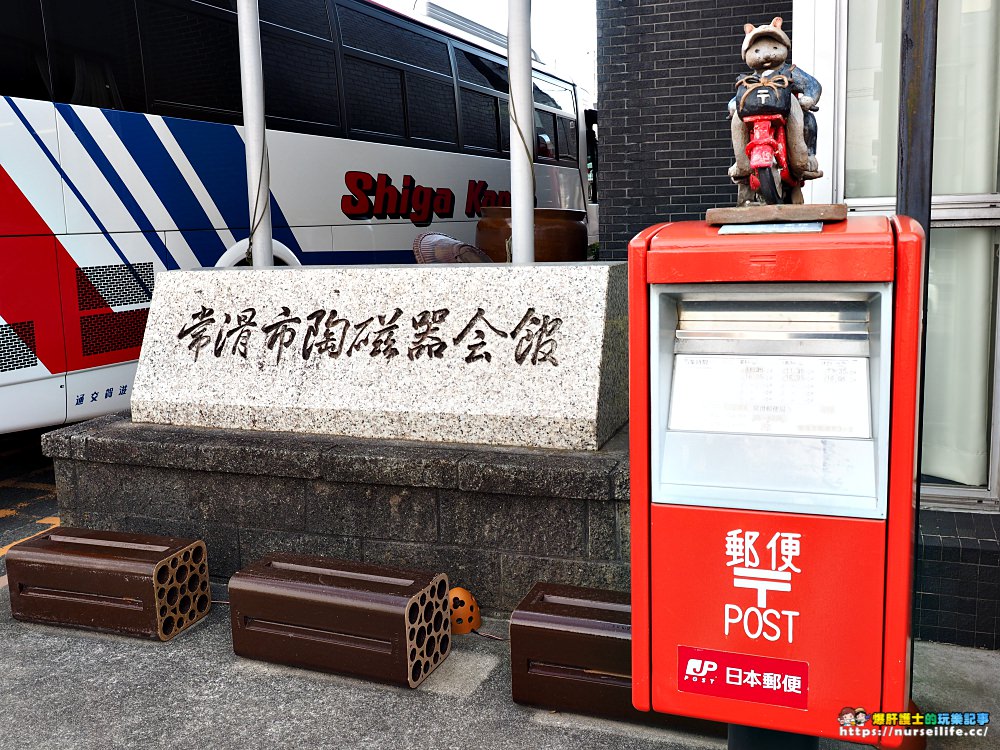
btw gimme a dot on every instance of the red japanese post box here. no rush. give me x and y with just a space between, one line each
774 388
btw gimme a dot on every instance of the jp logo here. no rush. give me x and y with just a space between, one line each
698 670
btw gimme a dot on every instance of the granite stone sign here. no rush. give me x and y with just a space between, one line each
510 355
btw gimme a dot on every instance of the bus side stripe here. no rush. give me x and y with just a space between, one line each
192 179
217 154
167 181
76 192
121 190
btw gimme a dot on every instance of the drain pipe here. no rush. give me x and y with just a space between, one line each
258 172
522 132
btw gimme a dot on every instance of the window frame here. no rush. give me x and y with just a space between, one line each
457 47
407 69
235 117
824 54
559 113
180 109
310 127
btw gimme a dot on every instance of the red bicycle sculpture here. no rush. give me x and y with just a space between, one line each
770 176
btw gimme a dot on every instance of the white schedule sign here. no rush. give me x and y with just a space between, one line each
771 395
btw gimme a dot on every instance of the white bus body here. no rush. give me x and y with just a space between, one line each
106 178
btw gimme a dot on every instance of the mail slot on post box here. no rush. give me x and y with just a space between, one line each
774 381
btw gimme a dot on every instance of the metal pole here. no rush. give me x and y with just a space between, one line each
258 173
522 132
914 170
917 68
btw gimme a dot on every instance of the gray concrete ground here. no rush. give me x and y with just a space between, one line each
69 689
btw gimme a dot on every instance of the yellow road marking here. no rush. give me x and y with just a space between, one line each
42 486
50 521
7 512
25 484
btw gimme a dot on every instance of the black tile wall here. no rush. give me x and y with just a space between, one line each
666 70
958 578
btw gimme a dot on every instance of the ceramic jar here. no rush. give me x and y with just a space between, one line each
560 234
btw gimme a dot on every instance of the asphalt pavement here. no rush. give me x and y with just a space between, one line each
65 689
28 502
72 689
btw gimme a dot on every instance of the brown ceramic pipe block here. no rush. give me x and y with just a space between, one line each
571 649
387 624
131 584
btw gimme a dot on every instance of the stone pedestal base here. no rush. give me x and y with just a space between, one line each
495 519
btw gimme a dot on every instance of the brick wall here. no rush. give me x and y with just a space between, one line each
665 72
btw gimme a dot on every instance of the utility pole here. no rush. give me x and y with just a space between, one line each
522 132
258 172
917 69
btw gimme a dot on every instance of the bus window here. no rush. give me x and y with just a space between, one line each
480 71
545 134
505 125
397 80
431 106
377 35
300 79
568 144
374 97
24 66
483 112
192 61
94 53
479 120
550 94
308 16
229 5
590 121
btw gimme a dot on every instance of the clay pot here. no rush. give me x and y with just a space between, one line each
560 235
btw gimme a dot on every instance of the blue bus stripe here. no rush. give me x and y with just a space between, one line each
396 256
167 181
281 233
79 196
117 184
218 156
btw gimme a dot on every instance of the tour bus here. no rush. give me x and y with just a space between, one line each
121 155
